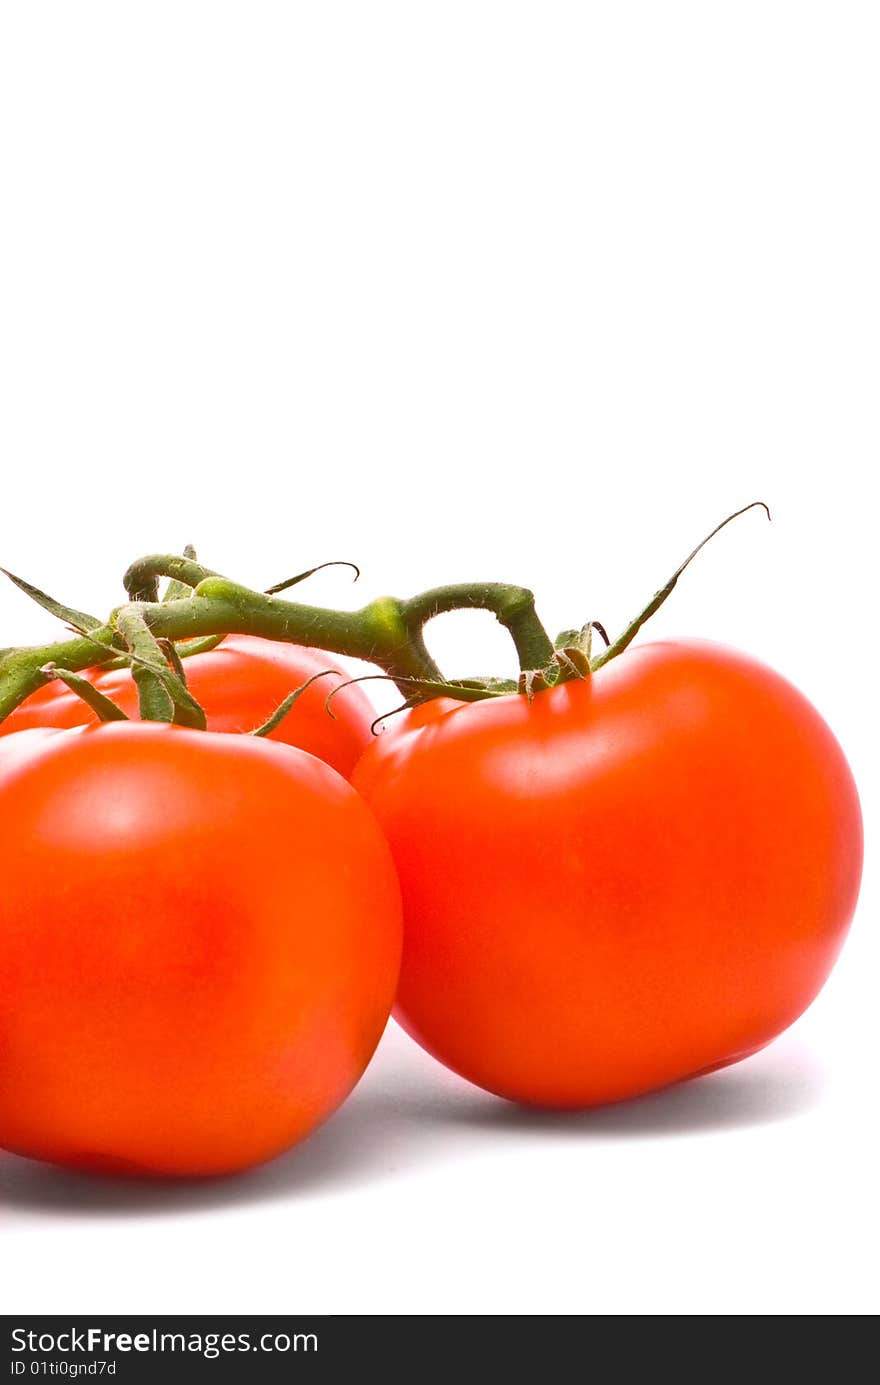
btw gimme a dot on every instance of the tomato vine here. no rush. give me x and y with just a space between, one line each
201 606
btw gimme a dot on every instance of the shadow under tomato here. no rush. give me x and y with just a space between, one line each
349 1149
408 1113
734 1098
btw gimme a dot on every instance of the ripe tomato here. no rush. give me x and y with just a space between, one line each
631 880
239 684
199 945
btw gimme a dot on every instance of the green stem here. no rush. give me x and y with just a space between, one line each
183 651
21 669
387 631
513 607
163 694
141 581
377 633
154 698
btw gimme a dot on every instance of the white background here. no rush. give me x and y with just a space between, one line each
536 292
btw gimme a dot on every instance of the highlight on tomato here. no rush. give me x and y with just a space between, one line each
622 881
199 944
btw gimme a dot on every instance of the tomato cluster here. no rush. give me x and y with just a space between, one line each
616 883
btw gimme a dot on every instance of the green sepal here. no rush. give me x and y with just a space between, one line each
629 634
78 620
288 704
163 696
310 572
534 680
103 707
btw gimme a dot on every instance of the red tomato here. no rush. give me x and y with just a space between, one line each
239 684
199 945
633 880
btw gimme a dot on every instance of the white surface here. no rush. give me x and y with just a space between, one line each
535 292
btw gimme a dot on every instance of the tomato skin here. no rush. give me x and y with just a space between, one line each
633 880
239 684
199 946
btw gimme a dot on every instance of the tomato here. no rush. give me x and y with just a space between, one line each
632 880
199 946
239 684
